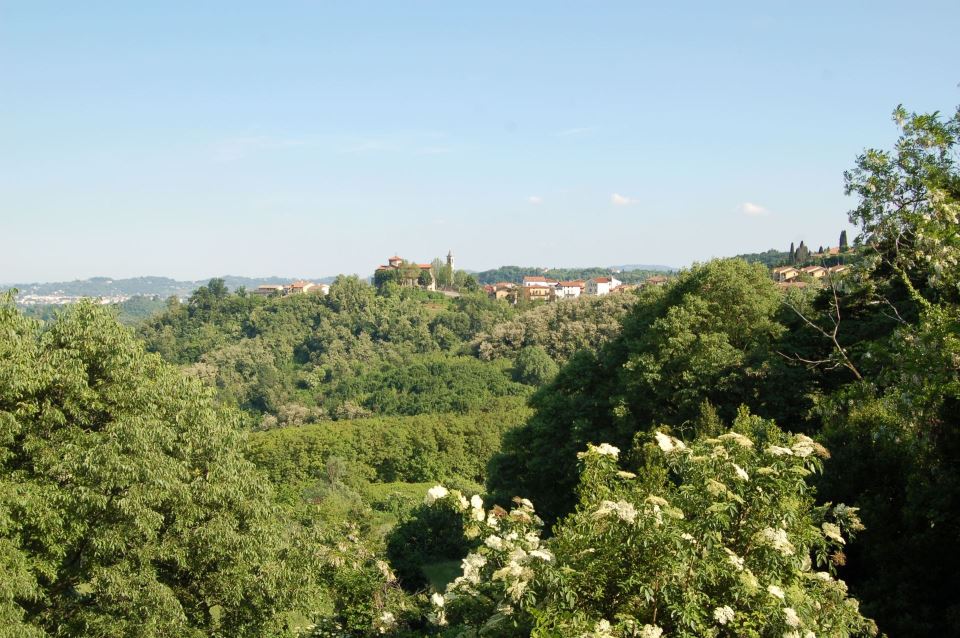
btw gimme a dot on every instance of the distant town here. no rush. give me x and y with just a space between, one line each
797 268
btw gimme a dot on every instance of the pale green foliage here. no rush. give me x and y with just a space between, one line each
560 328
719 537
909 209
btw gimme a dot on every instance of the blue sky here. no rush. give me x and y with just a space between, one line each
308 138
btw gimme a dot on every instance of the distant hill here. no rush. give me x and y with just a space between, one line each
646 267
141 286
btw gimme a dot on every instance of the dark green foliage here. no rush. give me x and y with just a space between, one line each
534 366
429 534
844 246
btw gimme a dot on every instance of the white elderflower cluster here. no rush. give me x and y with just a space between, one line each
723 615
741 473
386 622
739 439
791 617
604 449
733 559
438 614
668 443
507 560
624 510
651 631
777 450
434 494
777 539
832 531
804 446
602 629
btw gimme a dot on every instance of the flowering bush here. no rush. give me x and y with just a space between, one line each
717 537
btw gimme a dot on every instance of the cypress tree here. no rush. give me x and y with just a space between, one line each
843 241
793 254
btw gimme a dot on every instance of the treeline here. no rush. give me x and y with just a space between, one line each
515 274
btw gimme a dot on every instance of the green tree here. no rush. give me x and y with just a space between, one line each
895 433
705 337
126 506
534 366
844 246
718 537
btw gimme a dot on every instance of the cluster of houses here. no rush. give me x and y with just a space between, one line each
540 288
792 276
296 288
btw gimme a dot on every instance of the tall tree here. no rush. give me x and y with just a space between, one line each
126 506
843 241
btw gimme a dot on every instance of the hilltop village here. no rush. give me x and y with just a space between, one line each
797 268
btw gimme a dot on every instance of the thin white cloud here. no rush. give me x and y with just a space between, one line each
237 148
536 200
622 200
573 131
753 210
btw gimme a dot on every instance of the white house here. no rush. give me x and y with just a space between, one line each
568 289
601 286
538 280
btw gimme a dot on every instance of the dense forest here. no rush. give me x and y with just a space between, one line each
714 457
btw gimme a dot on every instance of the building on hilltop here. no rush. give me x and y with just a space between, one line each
267 290
300 287
538 280
814 271
538 293
599 286
785 273
408 273
296 288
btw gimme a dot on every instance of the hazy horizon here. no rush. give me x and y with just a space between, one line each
318 138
